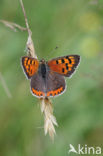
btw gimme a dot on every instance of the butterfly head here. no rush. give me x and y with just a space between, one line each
42 61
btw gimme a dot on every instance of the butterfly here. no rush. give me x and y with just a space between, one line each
47 78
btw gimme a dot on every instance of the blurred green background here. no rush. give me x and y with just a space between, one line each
75 27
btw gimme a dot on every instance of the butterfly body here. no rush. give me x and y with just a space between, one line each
43 68
47 78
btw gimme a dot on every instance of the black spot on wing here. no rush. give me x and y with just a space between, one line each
57 62
63 70
62 60
67 67
67 57
30 61
69 60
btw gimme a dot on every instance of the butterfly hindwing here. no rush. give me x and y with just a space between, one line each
65 65
30 66
38 86
55 84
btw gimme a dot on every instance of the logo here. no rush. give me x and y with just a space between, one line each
84 150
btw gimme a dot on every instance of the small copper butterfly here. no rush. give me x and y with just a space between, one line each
47 78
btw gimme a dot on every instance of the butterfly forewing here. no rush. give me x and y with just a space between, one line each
30 66
65 65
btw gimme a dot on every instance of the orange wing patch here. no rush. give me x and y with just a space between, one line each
55 92
38 93
30 66
64 65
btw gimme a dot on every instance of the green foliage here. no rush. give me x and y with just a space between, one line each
76 27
